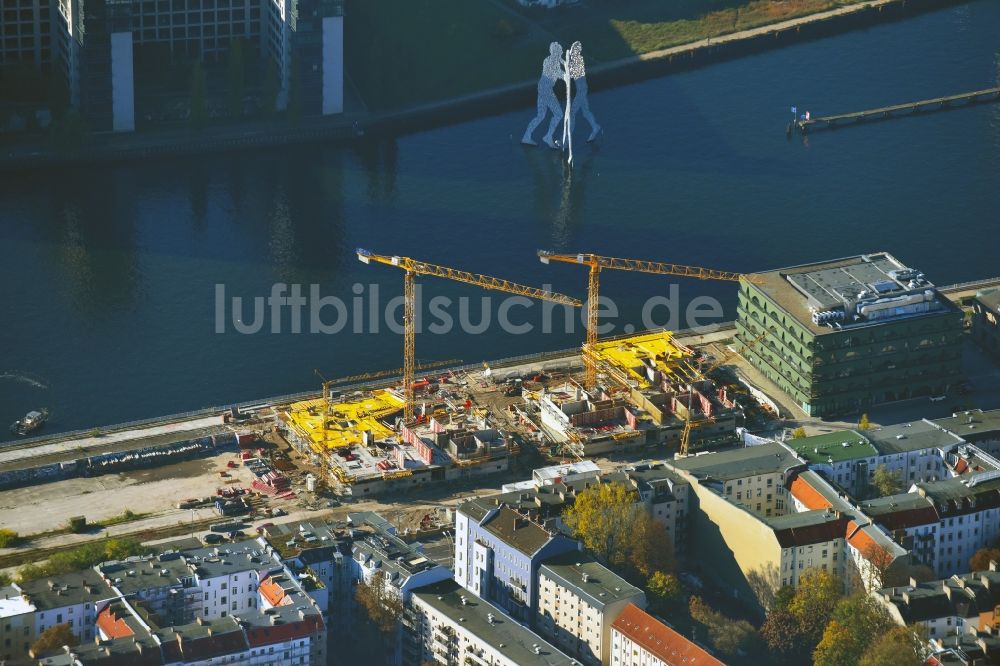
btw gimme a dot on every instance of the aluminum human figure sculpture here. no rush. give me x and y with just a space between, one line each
552 71
575 70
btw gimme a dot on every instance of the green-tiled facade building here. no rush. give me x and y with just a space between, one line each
842 335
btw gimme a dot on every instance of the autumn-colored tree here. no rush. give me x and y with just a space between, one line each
780 632
857 619
815 598
886 482
799 433
981 560
54 638
9 538
651 549
899 646
662 588
606 518
382 606
864 423
726 635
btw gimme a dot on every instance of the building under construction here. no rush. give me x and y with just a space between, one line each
368 448
662 381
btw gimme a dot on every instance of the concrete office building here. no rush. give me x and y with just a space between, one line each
840 336
96 43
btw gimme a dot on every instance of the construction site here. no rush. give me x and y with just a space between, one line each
437 425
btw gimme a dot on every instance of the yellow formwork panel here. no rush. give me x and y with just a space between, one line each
345 422
629 355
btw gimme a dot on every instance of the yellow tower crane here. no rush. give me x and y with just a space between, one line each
597 263
691 423
412 268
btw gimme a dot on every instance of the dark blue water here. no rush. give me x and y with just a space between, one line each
109 273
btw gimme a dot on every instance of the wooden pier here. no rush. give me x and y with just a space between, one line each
935 104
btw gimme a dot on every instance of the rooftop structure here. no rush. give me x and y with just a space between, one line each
832 447
738 463
963 597
845 334
588 579
78 587
914 436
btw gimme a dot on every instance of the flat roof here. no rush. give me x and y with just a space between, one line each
588 579
825 285
67 589
972 425
503 634
12 603
739 463
819 449
912 436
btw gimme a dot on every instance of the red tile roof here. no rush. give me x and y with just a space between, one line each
273 592
112 625
280 633
862 542
809 534
660 640
809 496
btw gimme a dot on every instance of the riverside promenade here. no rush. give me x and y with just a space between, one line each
107 146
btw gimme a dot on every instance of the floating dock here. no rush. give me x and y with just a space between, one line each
909 108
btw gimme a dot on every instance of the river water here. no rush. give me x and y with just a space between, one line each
110 274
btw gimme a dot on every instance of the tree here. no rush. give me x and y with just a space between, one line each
54 638
9 538
605 518
815 599
382 606
900 646
886 482
199 104
234 91
727 635
663 588
799 433
981 560
652 548
780 632
765 581
856 621
864 423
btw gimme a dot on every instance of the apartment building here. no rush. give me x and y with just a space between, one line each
455 628
753 477
639 639
498 552
72 599
17 623
578 599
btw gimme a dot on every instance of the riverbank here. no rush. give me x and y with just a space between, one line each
116 147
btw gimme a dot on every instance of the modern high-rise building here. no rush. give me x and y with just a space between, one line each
839 336
97 43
